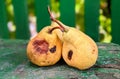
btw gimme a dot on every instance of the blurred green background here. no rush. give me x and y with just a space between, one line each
104 18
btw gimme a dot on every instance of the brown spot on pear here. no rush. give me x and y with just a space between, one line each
41 46
53 49
70 52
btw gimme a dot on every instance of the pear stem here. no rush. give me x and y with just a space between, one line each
50 31
53 19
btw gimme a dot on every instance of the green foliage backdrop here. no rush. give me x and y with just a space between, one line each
105 20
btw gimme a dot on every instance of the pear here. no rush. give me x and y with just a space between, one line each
45 48
78 50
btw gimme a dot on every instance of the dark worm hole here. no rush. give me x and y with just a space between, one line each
70 54
53 49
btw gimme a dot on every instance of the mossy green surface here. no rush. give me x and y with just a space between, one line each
14 64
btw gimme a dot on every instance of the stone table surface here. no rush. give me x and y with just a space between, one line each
14 64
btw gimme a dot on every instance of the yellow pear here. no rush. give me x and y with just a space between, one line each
45 48
78 49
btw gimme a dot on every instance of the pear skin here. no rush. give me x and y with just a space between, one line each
45 48
79 50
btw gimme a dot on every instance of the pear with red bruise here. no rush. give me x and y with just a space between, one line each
78 50
45 48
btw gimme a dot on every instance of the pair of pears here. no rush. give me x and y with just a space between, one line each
58 40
